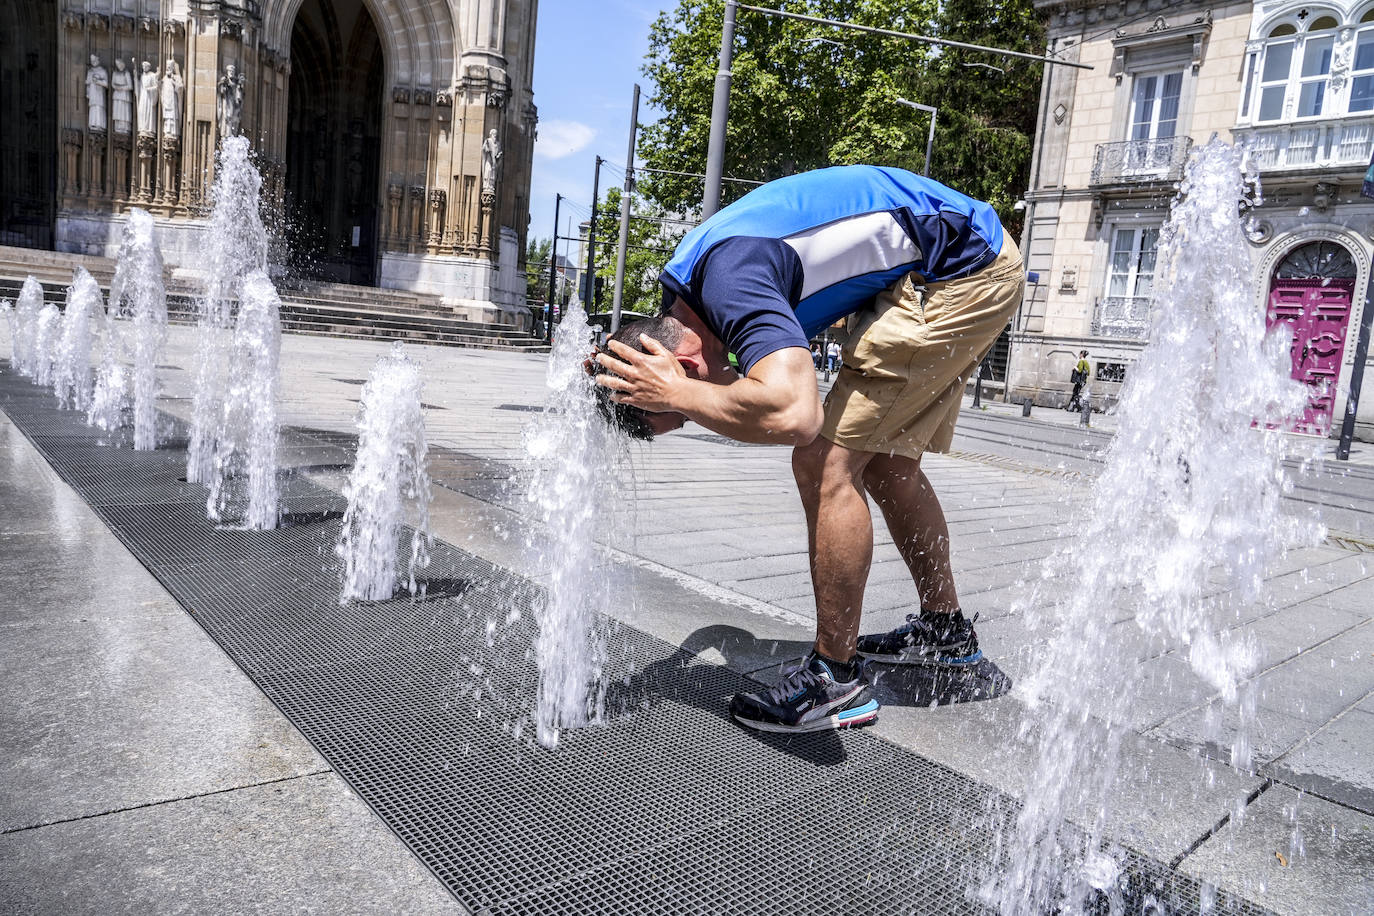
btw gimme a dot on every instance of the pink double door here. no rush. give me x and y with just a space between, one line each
1317 314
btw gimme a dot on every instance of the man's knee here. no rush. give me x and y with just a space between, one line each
822 464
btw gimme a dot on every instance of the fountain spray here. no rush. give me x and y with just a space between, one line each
576 459
72 373
45 340
243 484
236 246
389 474
137 291
25 325
1185 521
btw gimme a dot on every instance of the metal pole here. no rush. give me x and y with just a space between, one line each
720 110
589 299
1352 400
978 387
930 142
553 267
625 214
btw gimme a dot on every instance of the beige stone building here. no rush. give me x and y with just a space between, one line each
1294 82
394 136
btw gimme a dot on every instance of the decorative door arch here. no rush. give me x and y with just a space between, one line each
1311 292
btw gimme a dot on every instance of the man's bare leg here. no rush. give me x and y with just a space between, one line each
918 527
839 539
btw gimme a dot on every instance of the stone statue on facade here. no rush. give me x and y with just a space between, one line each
229 110
122 98
170 97
147 101
491 161
97 81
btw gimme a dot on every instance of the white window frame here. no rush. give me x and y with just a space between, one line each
1133 273
1363 33
1156 102
1335 99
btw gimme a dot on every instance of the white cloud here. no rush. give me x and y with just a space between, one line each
562 138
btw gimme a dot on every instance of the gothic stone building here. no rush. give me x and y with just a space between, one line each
394 136
1292 81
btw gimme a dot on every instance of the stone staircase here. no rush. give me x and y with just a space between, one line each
308 307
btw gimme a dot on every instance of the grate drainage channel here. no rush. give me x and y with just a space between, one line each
666 808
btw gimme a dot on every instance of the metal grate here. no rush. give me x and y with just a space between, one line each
421 706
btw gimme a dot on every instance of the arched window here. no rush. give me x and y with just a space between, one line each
1317 261
1362 66
1295 68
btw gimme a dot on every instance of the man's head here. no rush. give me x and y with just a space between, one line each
698 351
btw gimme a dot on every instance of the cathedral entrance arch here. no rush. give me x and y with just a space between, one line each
1311 292
28 124
333 141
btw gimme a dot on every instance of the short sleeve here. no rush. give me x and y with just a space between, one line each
747 288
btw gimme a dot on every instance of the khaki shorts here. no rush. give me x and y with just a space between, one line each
910 355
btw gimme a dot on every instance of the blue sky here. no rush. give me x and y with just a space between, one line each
587 58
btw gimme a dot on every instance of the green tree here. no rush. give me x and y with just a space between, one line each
652 237
537 269
806 96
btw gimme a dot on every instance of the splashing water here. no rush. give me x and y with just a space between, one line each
576 460
137 291
1184 522
72 372
25 325
111 394
237 246
243 484
45 339
389 474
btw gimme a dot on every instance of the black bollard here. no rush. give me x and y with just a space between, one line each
1085 417
1026 407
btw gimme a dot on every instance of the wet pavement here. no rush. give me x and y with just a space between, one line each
714 554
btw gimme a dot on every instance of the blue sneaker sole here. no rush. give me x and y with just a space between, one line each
849 718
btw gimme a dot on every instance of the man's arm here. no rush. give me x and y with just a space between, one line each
776 403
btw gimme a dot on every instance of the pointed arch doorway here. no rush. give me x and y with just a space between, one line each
333 141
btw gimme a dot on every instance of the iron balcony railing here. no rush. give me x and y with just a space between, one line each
1127 317
1131 161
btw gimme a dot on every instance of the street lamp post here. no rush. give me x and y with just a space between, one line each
930 135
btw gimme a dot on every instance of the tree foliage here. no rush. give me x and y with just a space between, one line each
537 269
806 96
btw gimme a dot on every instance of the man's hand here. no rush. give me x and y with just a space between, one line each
651 380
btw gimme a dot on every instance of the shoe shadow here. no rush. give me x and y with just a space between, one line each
914 685
684 678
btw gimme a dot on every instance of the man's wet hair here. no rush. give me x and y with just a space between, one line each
630 420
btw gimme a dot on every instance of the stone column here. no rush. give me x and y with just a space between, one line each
95 158
71 171
147 152
437 200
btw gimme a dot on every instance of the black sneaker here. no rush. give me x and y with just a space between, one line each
808 699
941 641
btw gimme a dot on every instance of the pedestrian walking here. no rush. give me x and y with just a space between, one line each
929 279
1079 377
832 354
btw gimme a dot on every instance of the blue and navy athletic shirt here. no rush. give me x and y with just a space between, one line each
795 255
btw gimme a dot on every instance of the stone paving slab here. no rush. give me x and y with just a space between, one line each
140 771
306 845
1293 854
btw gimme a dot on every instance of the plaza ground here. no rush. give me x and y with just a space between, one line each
143 771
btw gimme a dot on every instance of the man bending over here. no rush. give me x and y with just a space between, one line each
930 279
